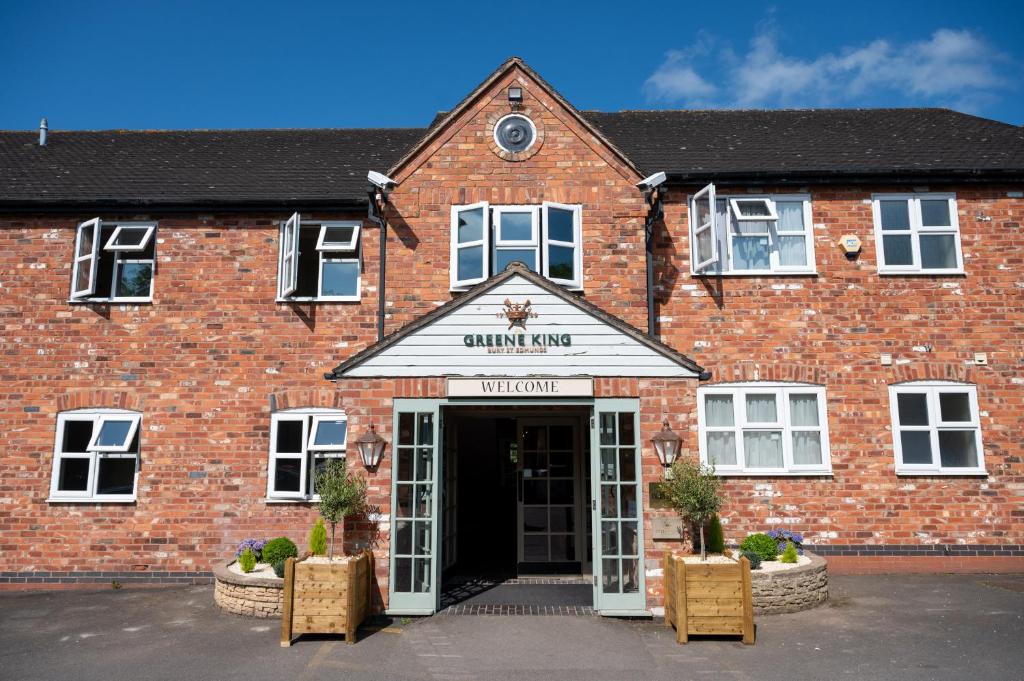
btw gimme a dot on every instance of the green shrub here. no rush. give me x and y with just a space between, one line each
318 538
759 543
716 538
279 568
754 558
789 555
247 560
281 548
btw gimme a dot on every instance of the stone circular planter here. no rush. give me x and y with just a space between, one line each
799 588
245 595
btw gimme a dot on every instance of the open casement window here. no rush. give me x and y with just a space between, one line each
563 244
753 209
917 234
96 456
320 261
289 269
130 238
470 251
516 237
84 271
936 429
338 237
703 231
764 429
302 441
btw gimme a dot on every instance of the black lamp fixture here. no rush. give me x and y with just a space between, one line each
515 96
666 444
371 447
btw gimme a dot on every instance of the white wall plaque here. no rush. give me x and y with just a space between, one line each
536 386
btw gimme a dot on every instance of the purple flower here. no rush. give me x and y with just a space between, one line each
256 545
798 538
774 534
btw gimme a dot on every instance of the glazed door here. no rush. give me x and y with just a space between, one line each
415 533
617 513
549 509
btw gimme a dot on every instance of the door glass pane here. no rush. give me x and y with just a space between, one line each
422 545
626 434
610 538
563 547
115 476
722 448
609 467
763 448
403 574
471 225
74 475
562 519
609 501
897 250
403 537
938 251
630 539
561 437
610 575
423 497
471 263
912 408
955 406
535 491
627 495
406 424
535 519
935 213
958 448
806 447
516 227
425 436
340 278
718 410
562 491
421 575
288 475
561 464
535 547
607 426
404 461
761 408
917 446
403 501
134 279
627 464
424 463
630 575
895 214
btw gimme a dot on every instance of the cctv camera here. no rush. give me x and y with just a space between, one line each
649 183
381 181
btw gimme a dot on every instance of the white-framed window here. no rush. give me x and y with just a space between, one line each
917 234
302 441
548 238
746 234
936 429
319 260
96 456
764 429
113 262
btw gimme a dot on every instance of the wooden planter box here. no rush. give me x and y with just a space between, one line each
709 598
325 598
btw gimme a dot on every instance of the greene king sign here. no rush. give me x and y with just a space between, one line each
520 387
519 340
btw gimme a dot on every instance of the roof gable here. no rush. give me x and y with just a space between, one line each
473 335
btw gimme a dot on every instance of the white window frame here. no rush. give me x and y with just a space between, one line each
484 244
133 428
320 280
94 455
916 230
288 260
349 246
705 194
577 244
533 243
735 201
782 392
716 267
315 426
121 255
932 390
308 455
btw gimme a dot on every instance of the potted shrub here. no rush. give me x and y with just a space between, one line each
705 597
325 594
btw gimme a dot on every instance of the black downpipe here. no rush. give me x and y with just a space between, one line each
655 213
375 212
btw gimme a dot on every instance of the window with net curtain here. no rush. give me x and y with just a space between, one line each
764 427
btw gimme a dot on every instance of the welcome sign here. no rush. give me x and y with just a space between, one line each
521 387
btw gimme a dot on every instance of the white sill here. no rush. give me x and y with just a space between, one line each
762 473
110 301
944 472
91 500
331 299
291 500
803 273
926 273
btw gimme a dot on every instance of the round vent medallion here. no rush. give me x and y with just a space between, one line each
515 133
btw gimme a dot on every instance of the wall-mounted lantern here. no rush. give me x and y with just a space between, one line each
666 444
371 447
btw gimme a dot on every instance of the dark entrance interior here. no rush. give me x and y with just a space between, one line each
515 508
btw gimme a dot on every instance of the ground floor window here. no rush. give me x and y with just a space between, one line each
936 428
302 441
764 428
96 456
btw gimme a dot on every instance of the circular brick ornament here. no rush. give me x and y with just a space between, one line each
518 128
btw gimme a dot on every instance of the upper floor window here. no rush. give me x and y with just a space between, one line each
96 455
114 261
917 234
319 260
301 443
546 238
936 428
748 234
764 429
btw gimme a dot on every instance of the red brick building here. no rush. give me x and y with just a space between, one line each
829 308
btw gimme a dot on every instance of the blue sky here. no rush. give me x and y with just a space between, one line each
185 64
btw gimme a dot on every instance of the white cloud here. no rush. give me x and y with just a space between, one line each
952 67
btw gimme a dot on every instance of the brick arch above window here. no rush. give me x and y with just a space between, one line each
306 399
750 372
935 371
98 398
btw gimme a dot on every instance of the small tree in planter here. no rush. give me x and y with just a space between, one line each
694 491
342 494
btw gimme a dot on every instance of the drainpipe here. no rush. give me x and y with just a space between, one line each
655 213
375 212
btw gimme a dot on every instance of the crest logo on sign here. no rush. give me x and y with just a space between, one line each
517 314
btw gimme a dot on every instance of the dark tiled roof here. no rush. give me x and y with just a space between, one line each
705 144
195 167
327 167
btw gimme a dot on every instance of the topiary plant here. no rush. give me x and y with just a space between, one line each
789 555
716 538
318 538
762 545
694 491
342 494
279 568
754 558
278 549
247 560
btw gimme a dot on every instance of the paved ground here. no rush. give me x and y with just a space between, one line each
910 627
